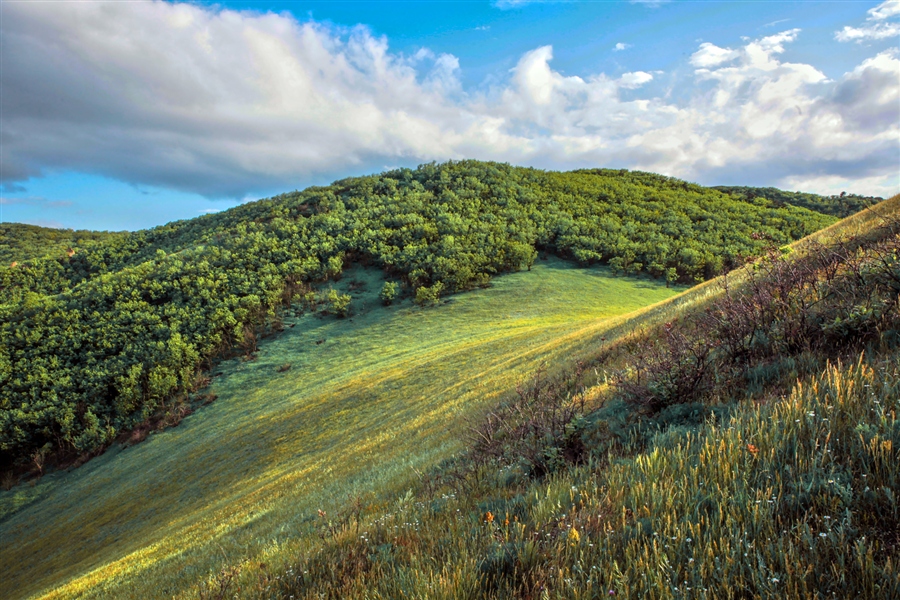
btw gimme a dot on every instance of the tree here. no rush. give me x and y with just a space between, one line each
338 304
429 296
388 292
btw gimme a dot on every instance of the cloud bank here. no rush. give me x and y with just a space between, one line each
224 103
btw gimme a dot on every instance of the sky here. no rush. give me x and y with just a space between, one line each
130 114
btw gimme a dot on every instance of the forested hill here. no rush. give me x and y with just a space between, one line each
20 242
840 206
95 343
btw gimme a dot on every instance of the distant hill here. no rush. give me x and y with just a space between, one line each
19 242
840 206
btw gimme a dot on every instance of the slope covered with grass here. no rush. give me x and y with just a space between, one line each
746 445
794 499
364 402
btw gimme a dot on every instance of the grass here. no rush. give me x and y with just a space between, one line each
335 409
794 499
366 402
792 495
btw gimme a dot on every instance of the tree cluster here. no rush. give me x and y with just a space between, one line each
20 242
838 205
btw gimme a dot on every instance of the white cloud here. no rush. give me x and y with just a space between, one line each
213 101
710 55
621 46
635 79
878 30
224 103
884 10
828 185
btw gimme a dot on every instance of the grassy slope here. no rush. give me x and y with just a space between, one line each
770 502
236 481
385 393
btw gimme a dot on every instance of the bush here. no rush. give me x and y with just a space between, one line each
389 292
538 431
338 304
820 302
429 296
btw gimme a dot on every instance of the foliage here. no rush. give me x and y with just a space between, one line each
794 499
19 242
842 205
792 495
822 302
361 412
429 295
389 292
94 344
368 400
338 304
538 431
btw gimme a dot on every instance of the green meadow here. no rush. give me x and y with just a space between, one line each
329 410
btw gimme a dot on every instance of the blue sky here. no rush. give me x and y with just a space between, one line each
129 115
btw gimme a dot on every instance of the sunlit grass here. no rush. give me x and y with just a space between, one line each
386 393
790 496
793 499
859 224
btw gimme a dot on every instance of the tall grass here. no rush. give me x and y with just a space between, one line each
795 499
295 481
792 495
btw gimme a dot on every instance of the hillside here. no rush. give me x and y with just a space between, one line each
365 400
841 206
98 343
743 445
19 243
323 406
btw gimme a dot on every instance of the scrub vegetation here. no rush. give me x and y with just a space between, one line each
107 338
839 205
19 242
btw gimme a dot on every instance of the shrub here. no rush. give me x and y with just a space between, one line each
539 430
429 296
338 304
389 292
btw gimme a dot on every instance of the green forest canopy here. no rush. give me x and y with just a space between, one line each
94 343
19 242
841 206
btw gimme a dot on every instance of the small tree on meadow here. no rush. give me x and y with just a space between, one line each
389 292
338 304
